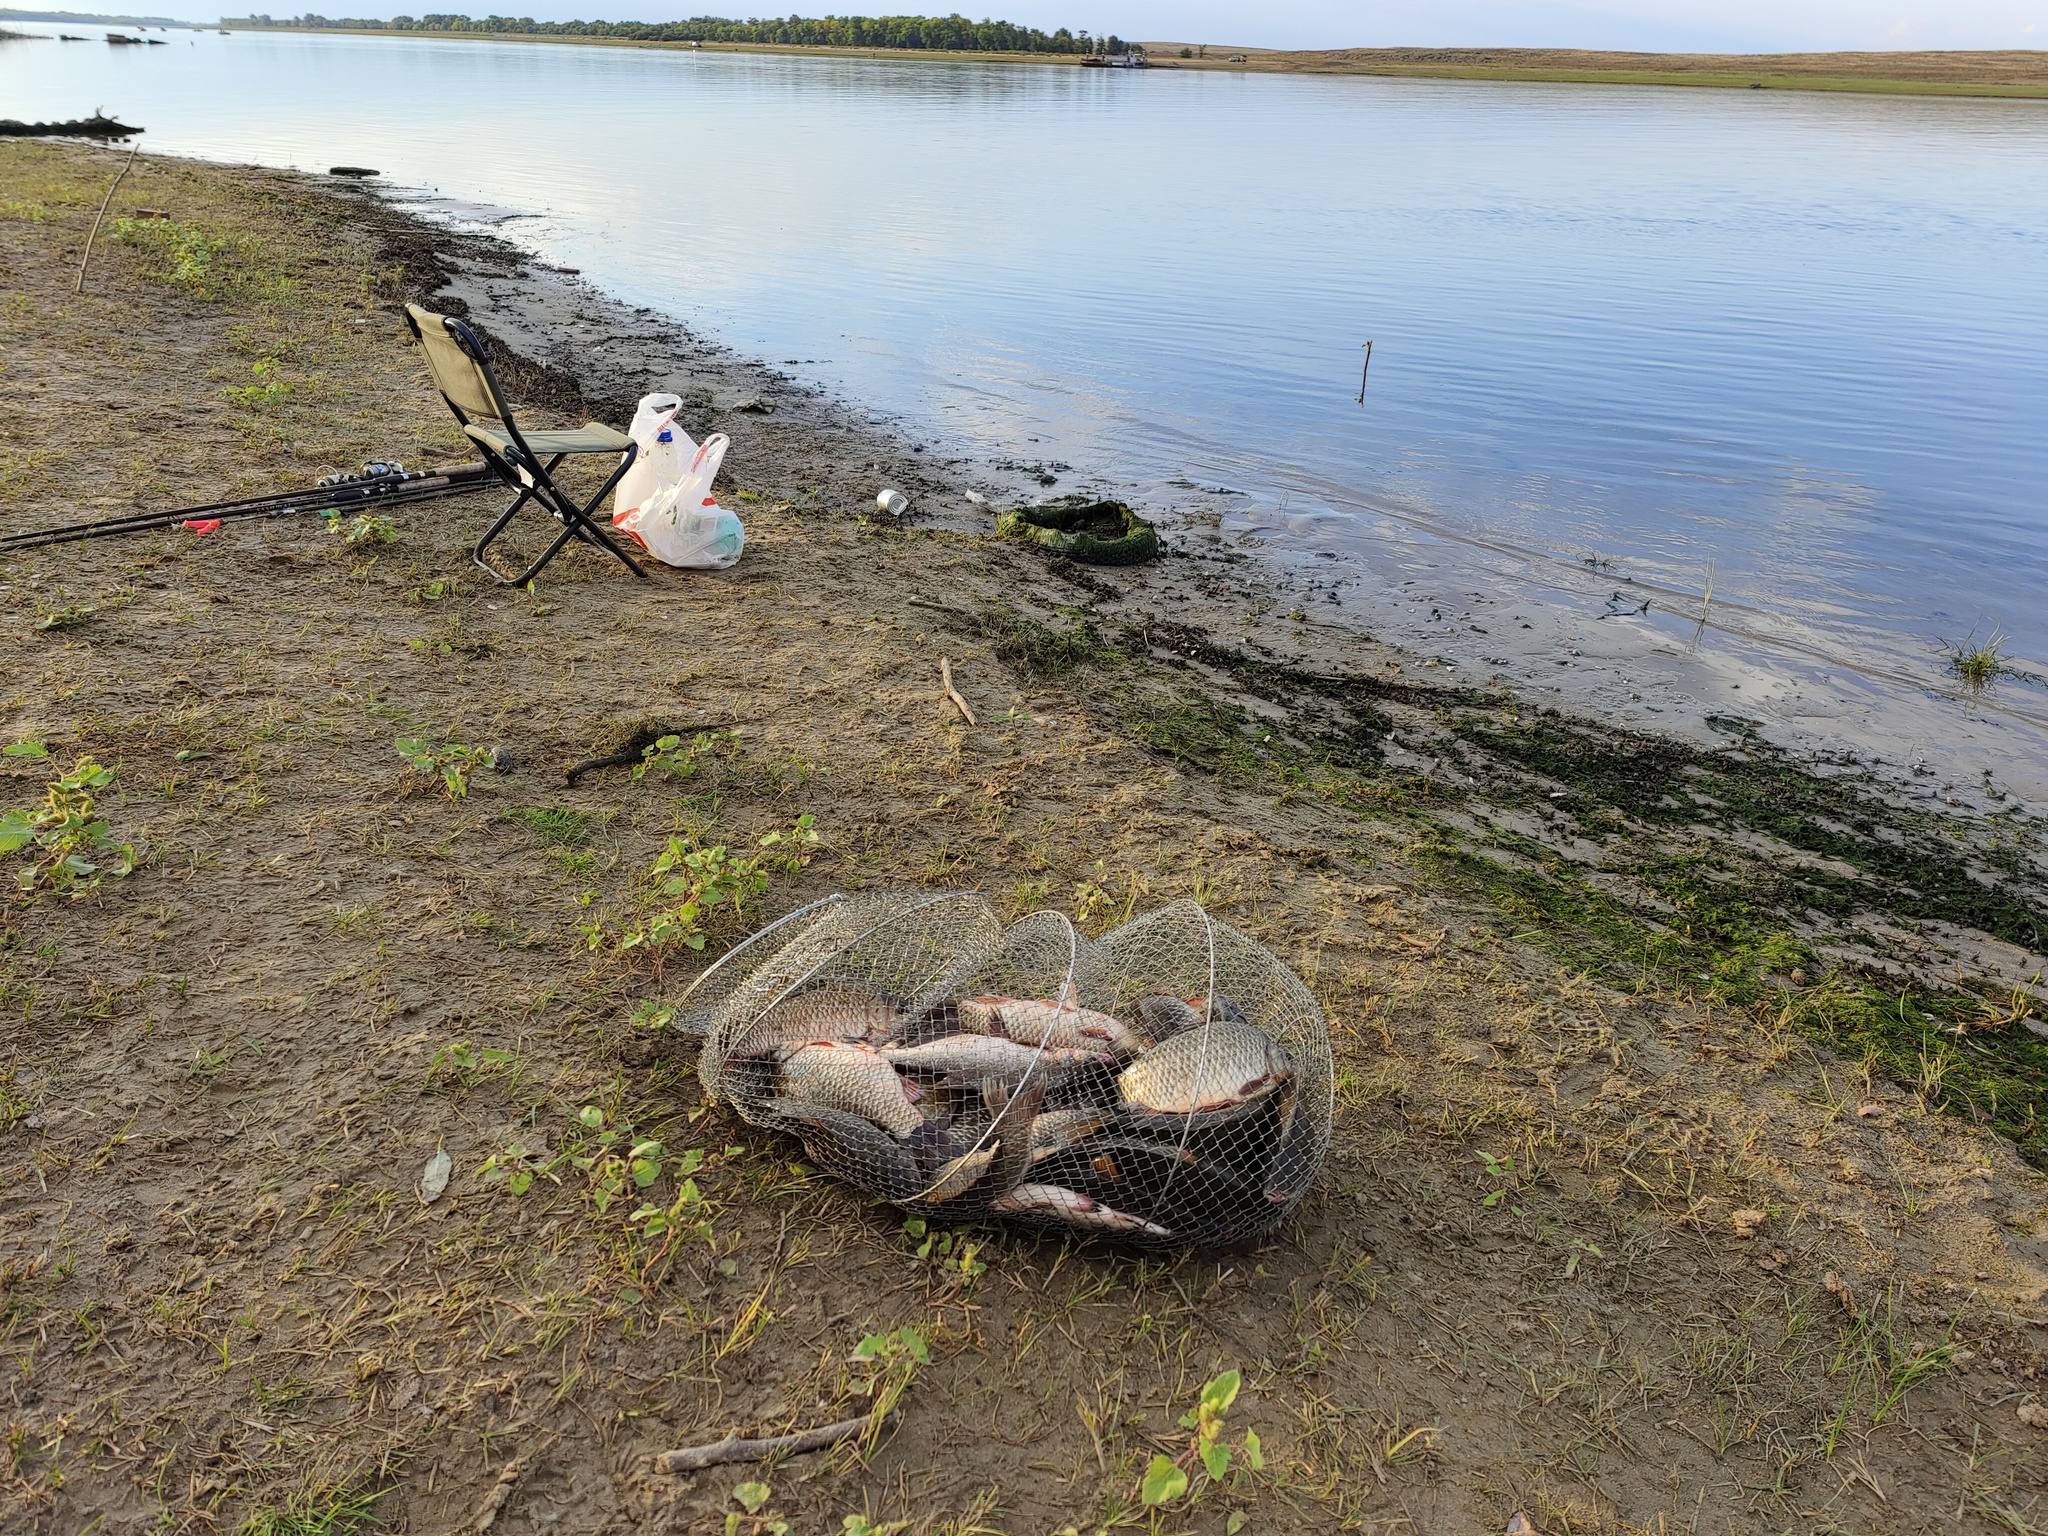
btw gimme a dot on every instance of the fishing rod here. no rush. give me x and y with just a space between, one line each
395 487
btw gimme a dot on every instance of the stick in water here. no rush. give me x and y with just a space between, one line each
1363 372
1706 603
946 677
79 286
697 1457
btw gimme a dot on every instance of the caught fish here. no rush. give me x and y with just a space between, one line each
1074 1208
849 1076
975 1057
829 1013
1059 1129
1226 1008
1063 1025
852 1147
1294 1155
1200 1071
959 1174
1165 1015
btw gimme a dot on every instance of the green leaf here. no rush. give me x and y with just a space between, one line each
1216 1459
1235 1523
28 749
1220 1393
914 1342
1163 1481
16 831
1254 1454
520 1182
871 1346
752 1496
590 1115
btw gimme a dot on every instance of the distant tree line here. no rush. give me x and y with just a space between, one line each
955 33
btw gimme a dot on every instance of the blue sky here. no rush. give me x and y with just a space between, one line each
1737 26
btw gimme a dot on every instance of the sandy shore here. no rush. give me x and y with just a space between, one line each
1686 1095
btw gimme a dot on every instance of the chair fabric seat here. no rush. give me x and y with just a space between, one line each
595 437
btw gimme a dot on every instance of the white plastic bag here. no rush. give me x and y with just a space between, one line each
664 501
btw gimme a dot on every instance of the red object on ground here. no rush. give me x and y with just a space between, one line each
201 525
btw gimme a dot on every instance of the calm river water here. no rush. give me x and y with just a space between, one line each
1801 340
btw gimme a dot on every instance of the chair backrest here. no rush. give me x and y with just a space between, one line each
462 375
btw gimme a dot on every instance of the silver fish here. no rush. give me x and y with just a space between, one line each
852 1146
974 1057
1037 1021
846 1075
1165 1015
1199 1070
959 1174
1074 1208
1059 1129
829 1013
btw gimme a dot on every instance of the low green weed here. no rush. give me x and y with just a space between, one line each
679 758
361 529
611 1162
890 1362
65 834
268 390
956 1259
452 760
1168 1478
185 254
697 883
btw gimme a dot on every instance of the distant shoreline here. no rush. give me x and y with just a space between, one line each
2020 74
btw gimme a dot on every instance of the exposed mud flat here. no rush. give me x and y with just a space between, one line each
1644 1212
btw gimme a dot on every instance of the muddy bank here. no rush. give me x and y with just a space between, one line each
1642 1214
1727 864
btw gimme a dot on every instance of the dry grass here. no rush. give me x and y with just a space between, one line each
223 1306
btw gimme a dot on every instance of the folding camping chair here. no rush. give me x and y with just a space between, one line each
525 461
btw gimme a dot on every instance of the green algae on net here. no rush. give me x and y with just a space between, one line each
1094 532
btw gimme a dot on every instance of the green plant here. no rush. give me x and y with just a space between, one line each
678 757
466 1063
1168 1478
695 881
956 1258
326 1513
187 253
615 1159
653 1017
1098 907
1502 1171
892 1361
1976 666
65 832
453 761
267 391
361 529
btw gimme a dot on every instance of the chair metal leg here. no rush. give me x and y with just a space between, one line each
576 522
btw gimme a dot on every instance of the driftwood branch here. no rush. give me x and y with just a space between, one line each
79 286
946 677
697 1457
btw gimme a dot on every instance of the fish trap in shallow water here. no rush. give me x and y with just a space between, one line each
1169 1084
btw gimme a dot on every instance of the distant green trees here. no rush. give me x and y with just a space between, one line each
955 33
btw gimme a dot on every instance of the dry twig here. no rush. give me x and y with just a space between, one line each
697 1457
79 286
946 677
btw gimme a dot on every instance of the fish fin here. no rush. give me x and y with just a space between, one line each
940 1019
932 1144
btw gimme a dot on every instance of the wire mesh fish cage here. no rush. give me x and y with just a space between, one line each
1168 1085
